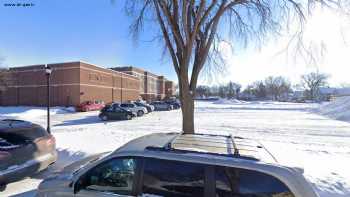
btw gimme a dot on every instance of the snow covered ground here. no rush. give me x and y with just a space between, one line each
295 135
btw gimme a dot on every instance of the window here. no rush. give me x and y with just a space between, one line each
115 176
109 109
231 182
124 105
117 109
173 178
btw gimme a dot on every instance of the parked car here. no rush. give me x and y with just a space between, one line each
134 113
25 149
150 108
90 106
175 104
181 165
160 105
110 112
134 108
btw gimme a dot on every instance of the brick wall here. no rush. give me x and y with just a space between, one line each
71 84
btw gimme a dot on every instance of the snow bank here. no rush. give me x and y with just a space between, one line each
338 109
253 105
228 101
28 113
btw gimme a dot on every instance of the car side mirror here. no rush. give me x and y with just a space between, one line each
76 185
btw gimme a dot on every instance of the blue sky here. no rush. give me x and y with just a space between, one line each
95 31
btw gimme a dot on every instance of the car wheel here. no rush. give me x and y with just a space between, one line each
2 188
128 117
104 118
140 113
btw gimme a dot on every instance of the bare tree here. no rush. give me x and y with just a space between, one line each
312 82
193 31
233 90
203 91
276 87
256 89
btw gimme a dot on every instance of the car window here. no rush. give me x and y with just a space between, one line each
173 179
123 105
115 176
248 183
117 109
109 109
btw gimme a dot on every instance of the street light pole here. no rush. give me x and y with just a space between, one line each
48 73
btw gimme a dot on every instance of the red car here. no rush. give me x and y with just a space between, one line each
90 106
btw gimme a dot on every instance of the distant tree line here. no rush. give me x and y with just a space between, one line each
229 90
273 88
276 88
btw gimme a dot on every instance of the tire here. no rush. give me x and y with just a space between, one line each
128 117
2 188
104 118
140 113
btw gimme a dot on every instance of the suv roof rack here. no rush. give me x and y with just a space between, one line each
223 145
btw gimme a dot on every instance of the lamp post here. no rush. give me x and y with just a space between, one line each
48 73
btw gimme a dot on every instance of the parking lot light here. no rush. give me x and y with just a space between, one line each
48 74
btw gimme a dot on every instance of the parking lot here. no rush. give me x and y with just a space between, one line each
295 135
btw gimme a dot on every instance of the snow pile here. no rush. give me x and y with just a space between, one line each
338 109
29 113
228 101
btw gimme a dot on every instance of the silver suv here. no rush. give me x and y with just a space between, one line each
139 110
179 165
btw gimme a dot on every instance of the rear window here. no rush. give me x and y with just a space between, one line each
173 179
17 131
247 183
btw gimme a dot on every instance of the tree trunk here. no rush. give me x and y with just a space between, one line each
187 105
188 114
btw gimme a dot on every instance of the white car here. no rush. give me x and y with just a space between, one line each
139 110
180 165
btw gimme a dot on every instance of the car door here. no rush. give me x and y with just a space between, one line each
109 112
118 113
167 178
230 181
113 177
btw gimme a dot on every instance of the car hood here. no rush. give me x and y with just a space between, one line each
64 178
73 167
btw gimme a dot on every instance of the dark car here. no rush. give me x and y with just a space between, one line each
113 112
174 103
25 149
